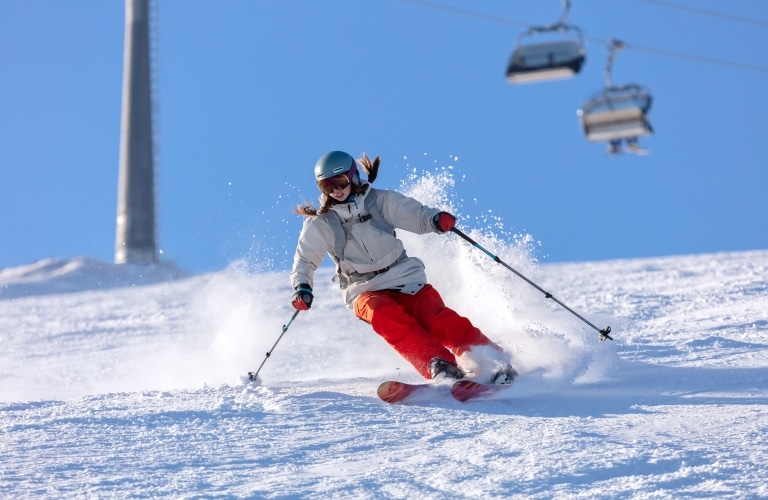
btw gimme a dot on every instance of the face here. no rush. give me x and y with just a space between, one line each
338 187
341 194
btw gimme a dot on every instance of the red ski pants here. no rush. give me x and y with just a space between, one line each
420 327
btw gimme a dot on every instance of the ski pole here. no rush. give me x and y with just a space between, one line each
254 375
604 333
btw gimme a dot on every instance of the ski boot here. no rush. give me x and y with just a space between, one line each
504 375
442 369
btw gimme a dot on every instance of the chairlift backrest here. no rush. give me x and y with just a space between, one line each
613 98
559 58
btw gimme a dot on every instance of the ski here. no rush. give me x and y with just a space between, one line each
464 390
393 391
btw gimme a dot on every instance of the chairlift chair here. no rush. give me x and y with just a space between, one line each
555 59
616 114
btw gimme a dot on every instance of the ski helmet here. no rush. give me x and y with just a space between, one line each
336 163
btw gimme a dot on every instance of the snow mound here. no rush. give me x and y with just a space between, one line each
78 274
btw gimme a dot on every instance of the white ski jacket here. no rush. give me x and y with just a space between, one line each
359 236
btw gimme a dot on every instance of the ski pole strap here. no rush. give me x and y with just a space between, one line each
604 333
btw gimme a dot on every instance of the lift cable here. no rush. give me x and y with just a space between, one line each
679 55
650 50
712 13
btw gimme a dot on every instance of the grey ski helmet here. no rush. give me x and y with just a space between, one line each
336 163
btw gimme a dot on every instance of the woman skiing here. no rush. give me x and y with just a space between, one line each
355 225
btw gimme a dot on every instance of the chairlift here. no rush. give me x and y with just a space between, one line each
558 58
552 60
617 114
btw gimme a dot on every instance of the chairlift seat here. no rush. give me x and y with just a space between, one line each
617 113
545 61
616 124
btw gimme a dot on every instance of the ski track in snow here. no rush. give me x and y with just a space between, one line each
118 385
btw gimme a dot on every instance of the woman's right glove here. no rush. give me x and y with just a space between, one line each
443 222
302 297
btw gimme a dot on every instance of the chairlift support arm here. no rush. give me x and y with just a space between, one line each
564 13
560 25
612 48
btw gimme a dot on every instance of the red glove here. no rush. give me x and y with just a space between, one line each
443 222
302 298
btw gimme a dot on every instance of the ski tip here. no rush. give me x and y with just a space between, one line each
250 378
391 392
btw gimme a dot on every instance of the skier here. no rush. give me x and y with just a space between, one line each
384 286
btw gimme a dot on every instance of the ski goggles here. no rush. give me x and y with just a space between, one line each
328 186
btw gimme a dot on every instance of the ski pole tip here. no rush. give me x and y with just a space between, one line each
250 378
604 334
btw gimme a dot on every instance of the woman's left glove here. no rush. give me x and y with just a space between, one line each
443 222
302 297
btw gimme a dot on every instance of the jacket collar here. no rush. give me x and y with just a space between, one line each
352 208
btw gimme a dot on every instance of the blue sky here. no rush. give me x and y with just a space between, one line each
251 93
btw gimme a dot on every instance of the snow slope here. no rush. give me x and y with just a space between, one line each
123 382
